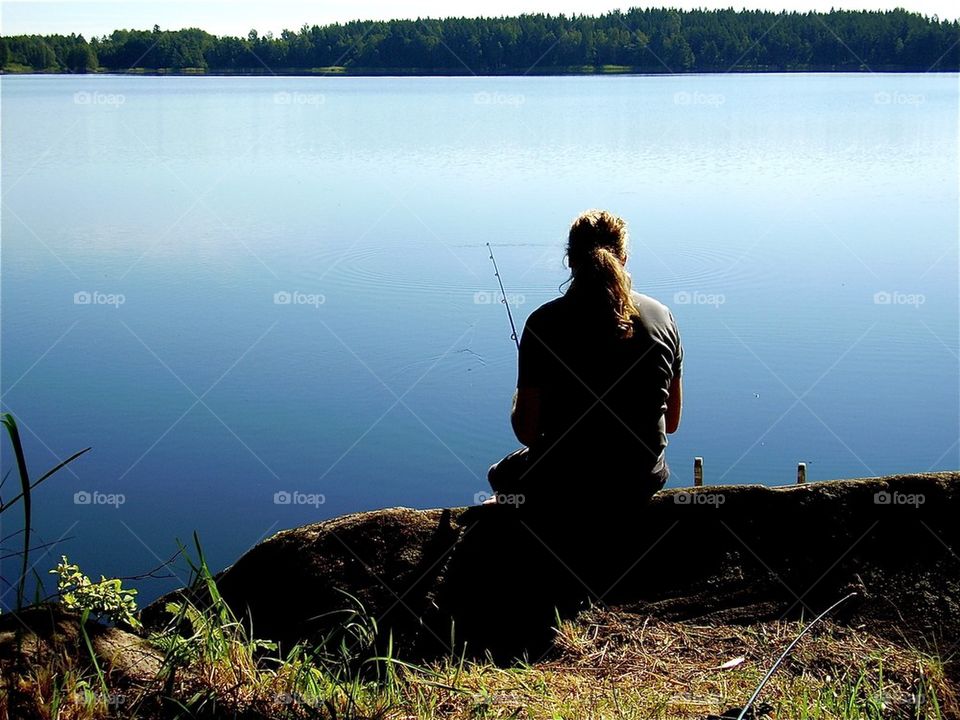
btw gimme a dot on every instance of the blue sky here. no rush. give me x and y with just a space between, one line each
236 17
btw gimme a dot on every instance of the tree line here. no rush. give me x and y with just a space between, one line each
644 40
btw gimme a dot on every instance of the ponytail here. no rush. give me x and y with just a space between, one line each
597 250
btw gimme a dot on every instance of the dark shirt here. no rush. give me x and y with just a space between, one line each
603 398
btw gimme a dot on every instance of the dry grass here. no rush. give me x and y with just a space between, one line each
604 665
623 666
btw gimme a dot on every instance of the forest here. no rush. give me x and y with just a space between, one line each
638 40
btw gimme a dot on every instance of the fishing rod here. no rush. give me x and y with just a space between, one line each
503 299
756 693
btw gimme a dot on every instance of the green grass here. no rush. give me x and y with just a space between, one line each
24 497
604 664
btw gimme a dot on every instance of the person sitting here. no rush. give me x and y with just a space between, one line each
598 384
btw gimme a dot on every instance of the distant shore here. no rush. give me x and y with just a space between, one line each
605 70
648 41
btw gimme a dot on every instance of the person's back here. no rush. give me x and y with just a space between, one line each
598 384
599 392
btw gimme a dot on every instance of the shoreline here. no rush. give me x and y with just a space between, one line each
405 614
617 71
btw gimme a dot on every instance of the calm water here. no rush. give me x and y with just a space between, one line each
803 229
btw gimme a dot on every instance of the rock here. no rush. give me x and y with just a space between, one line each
494 578
49 633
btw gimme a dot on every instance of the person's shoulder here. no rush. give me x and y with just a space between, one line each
550 310
651 308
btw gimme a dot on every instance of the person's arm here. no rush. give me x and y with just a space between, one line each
525 415
674 404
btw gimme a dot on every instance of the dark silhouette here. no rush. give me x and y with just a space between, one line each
598 386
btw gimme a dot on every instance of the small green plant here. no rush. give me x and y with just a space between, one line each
106 598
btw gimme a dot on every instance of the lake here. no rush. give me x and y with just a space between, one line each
268 301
